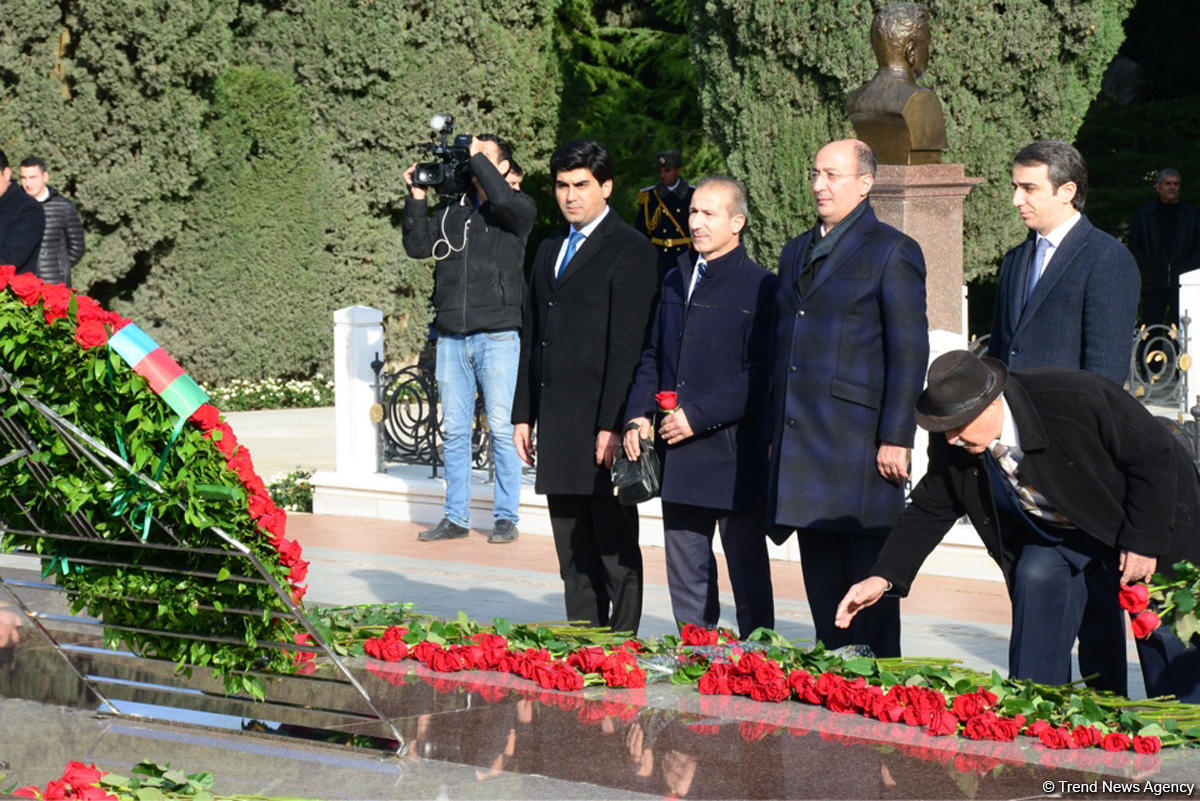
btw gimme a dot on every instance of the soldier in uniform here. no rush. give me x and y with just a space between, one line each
662 211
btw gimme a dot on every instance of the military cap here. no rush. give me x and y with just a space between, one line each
668 158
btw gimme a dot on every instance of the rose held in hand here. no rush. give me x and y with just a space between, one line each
667 401
1144 624
1134 598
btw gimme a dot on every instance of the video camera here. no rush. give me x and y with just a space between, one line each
449 175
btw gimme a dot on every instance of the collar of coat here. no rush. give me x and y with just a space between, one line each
823 245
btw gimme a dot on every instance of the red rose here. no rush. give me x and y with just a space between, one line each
90 335
88 310
207 417
1036 728
7 271
393 651
394 633
258 504
1056 738
444 661
78 774
298 594
587 660
1115 741
373 647
27 287
667 401
298 573
424 651
968 705
92 793
1144 624
942 723
691 634
544 675
274 522
1005 729
741 684
567 678
1086 736
1134 598
56 299
1146 745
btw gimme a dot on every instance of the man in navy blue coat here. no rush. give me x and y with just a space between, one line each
851 345
710 344
1067 297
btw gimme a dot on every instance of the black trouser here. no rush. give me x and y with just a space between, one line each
596 539
692 567
833 561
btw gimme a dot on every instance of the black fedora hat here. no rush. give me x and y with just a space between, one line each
959 388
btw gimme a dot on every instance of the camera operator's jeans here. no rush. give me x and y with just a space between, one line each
488 361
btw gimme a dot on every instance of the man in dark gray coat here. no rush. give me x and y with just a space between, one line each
587 310
21 223
1064 476
1164 237
62 241
851 345
710 345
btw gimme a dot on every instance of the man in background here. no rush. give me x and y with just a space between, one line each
62 240
662 211
21 223
1164 237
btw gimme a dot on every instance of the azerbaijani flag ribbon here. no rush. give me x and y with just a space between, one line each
177 389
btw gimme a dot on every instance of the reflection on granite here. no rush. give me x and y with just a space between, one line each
494 735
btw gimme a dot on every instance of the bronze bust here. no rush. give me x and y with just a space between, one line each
901 121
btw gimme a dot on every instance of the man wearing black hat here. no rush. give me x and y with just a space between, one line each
662 211
1062 473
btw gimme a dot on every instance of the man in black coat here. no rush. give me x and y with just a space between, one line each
62 240
710 345
587 310
1063 474
1164 237
851 345
21 223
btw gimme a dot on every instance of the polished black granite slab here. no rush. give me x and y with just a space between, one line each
485 735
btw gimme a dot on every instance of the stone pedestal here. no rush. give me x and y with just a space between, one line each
925 201
357 338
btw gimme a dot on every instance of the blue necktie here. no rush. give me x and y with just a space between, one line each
1035 270
701 271
572 244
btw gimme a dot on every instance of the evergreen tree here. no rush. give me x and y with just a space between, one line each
774 76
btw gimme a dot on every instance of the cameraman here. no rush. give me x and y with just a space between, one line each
478 239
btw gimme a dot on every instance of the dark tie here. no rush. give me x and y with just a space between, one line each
701 271
572 243
1035 269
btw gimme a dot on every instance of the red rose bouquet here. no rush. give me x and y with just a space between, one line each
1175 603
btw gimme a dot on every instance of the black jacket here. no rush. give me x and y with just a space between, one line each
62 243
580 344
1162 262
1093 451
479 283
21 224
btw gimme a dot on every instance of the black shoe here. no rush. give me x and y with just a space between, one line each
503 531
445 530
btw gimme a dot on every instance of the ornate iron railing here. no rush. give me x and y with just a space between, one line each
409 418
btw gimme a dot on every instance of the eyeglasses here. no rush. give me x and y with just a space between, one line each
832 176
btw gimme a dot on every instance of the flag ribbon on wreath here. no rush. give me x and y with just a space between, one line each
177 389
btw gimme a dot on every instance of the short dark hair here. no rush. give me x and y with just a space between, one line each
515 169
1063 162
3 161
582 154
504 147
34 161
867 163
